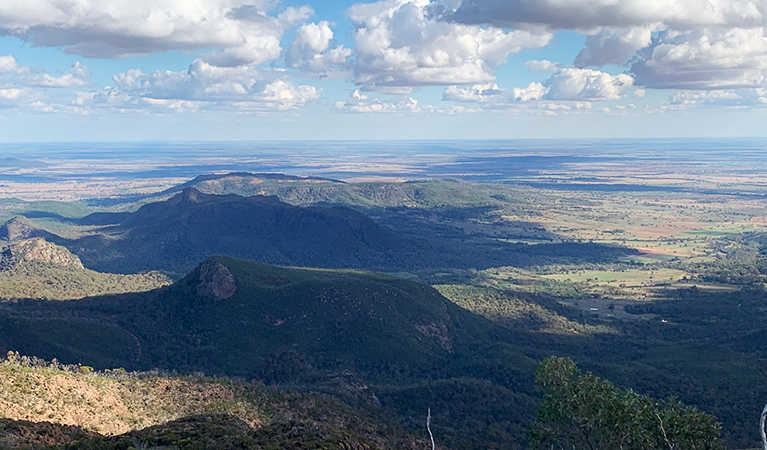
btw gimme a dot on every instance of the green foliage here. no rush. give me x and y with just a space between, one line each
583 411
50 282
514 312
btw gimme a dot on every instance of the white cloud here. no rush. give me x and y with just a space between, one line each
611 45
639 93
78 76
589 14
543 65
584 84
292 16
203 86
8 64
360 103
533 91
16 97
13 74
312 51
240 30
669 44
531 99
567 90
480 93
400 45
718 98
704 59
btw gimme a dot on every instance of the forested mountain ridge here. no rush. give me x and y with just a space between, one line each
367 337
332 331
176 233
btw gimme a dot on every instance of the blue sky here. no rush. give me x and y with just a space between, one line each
78 70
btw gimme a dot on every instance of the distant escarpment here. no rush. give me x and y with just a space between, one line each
175 234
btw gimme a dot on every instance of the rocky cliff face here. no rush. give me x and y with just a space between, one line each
38 250
215 281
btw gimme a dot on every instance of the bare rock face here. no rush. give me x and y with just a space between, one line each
215 281
188 195
38 250
439 332
18 228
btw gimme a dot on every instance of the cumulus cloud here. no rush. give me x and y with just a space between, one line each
16 97
531 99
669 44
584 84
241 30
480 93
611 45
533 91
313 51
589 14
203 86
14 74
401 45
8 64
361 103
78 76
568 89
704 59
543 65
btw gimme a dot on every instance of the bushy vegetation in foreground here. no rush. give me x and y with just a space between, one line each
583 411
50 405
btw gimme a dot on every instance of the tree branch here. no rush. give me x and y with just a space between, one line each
761 427
428 427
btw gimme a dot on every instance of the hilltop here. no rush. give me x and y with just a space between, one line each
177 233
305 191
365 337
19 227
48 404
234 317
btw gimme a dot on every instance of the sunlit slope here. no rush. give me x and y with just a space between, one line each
45 405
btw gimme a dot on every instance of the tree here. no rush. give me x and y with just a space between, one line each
583 411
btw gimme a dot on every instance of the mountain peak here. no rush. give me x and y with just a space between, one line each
19 227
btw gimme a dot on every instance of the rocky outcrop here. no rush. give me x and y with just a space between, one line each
215 281
38 250
439 332
188 195
19 228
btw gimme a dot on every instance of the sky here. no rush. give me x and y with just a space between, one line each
116 70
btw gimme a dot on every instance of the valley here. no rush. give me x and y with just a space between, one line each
343 308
